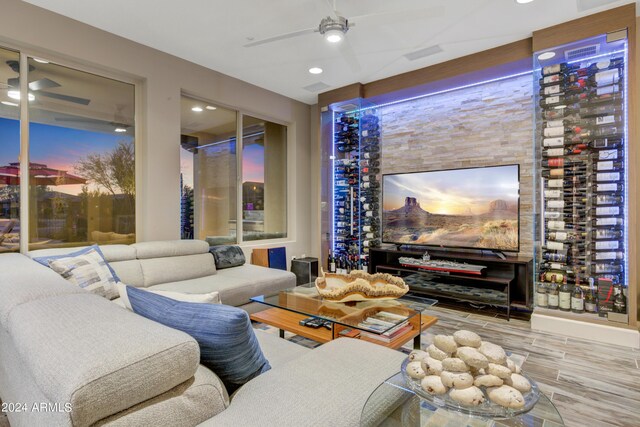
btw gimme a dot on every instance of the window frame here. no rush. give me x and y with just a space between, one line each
240 113
25 52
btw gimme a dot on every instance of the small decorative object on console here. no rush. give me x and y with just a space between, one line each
476 377
360 286
427 263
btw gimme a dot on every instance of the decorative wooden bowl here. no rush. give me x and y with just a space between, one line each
360 286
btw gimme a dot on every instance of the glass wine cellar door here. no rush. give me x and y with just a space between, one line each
351 206
581 246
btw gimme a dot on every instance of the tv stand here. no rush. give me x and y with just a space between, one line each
506 282
499 254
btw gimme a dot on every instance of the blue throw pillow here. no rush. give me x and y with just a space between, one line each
44 260
228 345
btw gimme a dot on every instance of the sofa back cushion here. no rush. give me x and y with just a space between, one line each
129 272
170 248
176 268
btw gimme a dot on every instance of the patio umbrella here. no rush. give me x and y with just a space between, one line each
40 175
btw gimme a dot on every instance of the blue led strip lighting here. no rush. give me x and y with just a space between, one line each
440 92
333 181
625 150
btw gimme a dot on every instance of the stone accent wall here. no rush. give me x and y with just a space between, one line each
486 125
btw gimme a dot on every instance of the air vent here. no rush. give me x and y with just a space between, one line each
581 52
346 107
316 87
584 5
427 51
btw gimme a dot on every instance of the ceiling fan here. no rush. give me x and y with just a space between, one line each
119 120
39 86
334 28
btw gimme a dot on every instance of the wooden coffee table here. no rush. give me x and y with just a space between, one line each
290 306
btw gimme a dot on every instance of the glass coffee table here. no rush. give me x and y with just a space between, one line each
390 323
393 404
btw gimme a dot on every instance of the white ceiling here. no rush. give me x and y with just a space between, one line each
212 33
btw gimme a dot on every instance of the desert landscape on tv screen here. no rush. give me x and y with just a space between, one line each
475 208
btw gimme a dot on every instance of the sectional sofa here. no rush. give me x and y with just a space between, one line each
76 359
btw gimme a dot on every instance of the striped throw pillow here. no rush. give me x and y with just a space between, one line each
88 271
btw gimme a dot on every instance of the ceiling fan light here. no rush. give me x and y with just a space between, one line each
197 109
15 94
334 36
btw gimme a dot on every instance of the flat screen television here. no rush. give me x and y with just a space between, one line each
475 208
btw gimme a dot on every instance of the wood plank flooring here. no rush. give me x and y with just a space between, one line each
591 384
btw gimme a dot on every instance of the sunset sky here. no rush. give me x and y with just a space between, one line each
454 192
55 146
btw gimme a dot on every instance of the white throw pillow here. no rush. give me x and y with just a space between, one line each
210 298
88 271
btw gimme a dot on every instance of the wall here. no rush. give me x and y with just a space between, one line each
485 125
162 77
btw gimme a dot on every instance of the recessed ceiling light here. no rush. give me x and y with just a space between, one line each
11 104
333 36
523 1
15 94
546 55
120 130
315 70
210 107
197 109
42 61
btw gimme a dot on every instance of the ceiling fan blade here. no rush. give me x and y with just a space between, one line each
44 83
349 55
67 98
431 11
281 37
332 7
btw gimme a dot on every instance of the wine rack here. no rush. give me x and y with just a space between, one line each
356 185
581 152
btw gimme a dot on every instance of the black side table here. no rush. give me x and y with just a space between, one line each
305 269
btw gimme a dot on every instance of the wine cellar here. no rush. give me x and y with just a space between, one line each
355 161
581 151
559 105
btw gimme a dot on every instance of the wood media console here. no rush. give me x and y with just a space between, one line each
504 283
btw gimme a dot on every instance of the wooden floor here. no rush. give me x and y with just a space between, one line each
591 384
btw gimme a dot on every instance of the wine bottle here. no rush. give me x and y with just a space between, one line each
366 185
332 263
553 297
542 298
577 299
553 101
564 86
601 110
606 256
370 206
555 257
605 77
607 222
370 171
620 301
609 165
372 156
564 297
596 98
602 268
370 228
590 302
608 188
371 243
561 236
369 198
606 245
605 233
562 68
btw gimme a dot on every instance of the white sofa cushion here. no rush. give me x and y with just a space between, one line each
102 359
177 268
129 272
170 248
210 298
